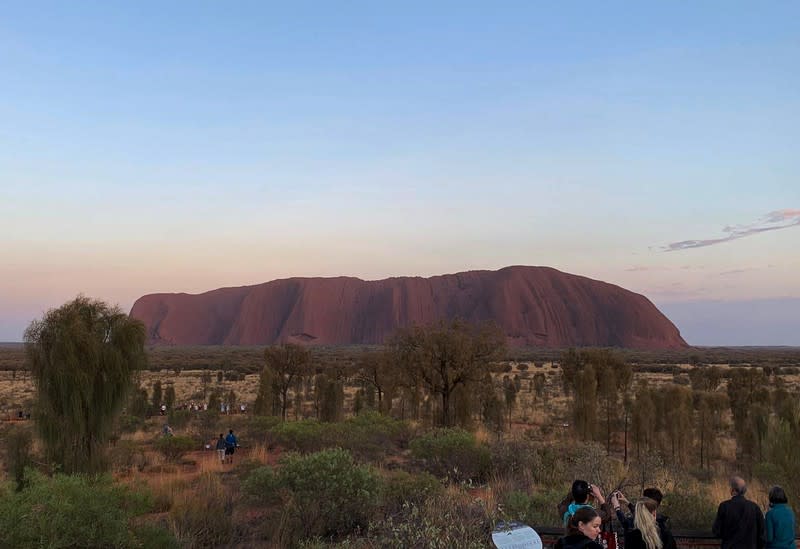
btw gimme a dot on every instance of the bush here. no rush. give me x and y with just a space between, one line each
19 442
202 517
308 435
174 448
154 537
693 511
261 486
403 488
518 506
542 507
128 455
261 429
452 453
441 522
129 423
328 494
179 419
370 435
70 511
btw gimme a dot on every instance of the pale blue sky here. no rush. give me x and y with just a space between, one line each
147 147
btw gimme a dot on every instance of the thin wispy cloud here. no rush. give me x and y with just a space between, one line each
773 221
735 272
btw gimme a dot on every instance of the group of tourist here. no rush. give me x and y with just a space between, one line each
739 523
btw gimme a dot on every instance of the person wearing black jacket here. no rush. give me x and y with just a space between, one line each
583 529
646 533
739 522
627 521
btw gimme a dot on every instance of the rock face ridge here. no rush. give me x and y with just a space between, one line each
537 306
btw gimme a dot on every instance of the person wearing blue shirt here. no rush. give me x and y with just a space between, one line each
779 521
231 442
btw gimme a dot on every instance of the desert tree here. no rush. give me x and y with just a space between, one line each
329 396
158 395
539 386
709 408
83 356
510 390
749 400
614 377
289 363
643 419
377 373
266 403
445 356
169 396
138 404
678 426
584 405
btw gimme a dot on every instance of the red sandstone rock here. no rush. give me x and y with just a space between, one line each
536 306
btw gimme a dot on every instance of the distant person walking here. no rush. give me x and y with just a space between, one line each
739 522
231 442
221 447
779 521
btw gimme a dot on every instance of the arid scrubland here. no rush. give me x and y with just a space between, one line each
364 460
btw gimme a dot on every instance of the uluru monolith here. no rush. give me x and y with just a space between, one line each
534 306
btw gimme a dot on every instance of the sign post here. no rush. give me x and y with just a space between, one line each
515 535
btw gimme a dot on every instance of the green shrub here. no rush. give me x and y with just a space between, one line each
308 435
260 429
70 511
403 487
452 453
542 509
518 506
129 423
179 419
693 511
261 486
370 435
174 448
18 444
441 522
529 462
149 536
327 493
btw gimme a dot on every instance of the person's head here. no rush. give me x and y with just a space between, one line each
580 491
585 521
777 495
644 520
654 494
221 435
231 431
738 486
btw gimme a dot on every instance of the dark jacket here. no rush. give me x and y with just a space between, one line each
627 521
634 539
221 444
576 541
780 527
739 524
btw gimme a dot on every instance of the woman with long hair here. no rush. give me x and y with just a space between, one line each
583 529
779 521
646 533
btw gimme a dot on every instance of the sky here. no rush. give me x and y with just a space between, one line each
185 146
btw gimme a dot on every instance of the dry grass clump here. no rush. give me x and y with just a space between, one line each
200 516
